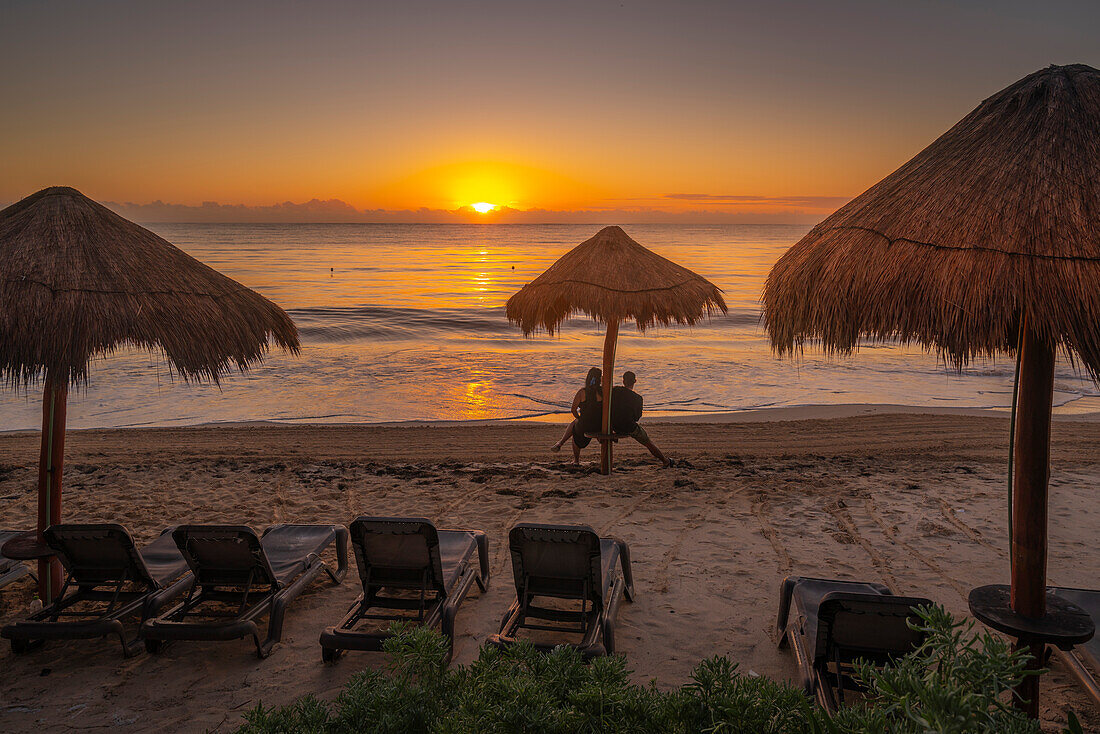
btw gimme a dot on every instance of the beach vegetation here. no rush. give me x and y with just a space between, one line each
956 682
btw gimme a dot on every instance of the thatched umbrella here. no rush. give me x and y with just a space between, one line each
986 241
612 278
78 281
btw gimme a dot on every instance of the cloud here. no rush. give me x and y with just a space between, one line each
824 202
314 210
752 210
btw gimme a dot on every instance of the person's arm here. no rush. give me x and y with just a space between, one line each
638 410
577 400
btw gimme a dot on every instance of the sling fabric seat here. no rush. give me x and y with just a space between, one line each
113 576
407 565
569 562
253 575
837 622
11 569
1084 660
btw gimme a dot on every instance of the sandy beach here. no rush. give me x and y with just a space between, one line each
914 501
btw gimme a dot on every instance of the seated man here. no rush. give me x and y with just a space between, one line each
626 409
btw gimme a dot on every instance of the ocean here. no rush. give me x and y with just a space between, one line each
406 323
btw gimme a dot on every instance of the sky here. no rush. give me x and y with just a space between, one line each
551 111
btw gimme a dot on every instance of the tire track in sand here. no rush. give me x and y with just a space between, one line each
952 517
626 512
891 534
760 511
660 572
839 511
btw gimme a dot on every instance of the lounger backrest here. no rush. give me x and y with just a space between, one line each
398 552
871 626
556 560
98 553
229 555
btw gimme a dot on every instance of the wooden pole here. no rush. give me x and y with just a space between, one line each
1029 496
609 341
50 464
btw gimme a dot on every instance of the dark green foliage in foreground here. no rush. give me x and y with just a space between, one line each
953 684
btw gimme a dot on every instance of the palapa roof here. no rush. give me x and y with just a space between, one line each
77 281
998 217
612 277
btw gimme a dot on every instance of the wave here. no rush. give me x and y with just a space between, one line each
387 323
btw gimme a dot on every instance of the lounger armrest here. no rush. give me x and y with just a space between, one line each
624 563
342 536
608 618
806 673
482 558
449 606
447 613
283 598
786 590
160 599
482 541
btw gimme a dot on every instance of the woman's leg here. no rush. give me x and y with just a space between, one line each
565 437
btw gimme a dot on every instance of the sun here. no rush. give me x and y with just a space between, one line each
483 207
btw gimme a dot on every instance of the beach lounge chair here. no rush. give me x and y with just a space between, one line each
107 579
572 563
240 576
1084 660
837 622
11 569
406 565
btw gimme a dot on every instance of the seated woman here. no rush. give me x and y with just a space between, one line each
587 412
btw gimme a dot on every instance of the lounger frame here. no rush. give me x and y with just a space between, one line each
818 681
1075 661
434 607
11 572
59 621
14 571
594 620
1080 660
11 569
180 623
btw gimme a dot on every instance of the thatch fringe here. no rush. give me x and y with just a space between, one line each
998 218
612 277
77 281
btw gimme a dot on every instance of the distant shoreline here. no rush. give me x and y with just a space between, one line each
1087 411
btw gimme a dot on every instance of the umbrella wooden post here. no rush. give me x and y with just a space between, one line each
1029 497
609 341
50 463
203 321
612 278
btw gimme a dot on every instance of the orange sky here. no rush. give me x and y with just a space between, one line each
717 106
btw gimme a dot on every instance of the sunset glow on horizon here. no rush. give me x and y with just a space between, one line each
483 207
414 111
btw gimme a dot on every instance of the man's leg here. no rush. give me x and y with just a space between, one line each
642 437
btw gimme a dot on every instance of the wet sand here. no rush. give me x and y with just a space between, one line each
914 501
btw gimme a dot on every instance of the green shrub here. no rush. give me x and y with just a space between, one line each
956 682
